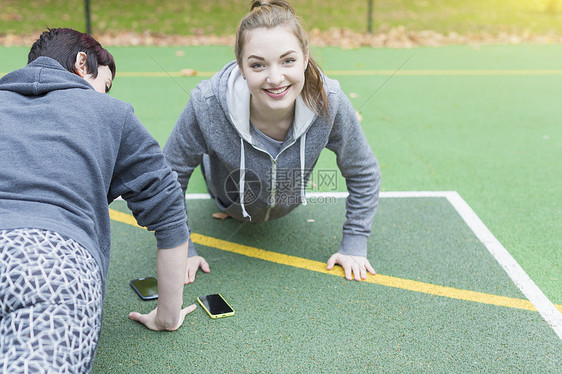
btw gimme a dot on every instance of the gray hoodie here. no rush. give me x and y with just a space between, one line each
214 130
66 151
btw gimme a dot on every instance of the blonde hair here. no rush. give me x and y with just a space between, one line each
276 13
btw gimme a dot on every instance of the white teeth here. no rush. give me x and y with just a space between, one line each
278 91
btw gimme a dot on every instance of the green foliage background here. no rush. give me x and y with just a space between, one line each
220 17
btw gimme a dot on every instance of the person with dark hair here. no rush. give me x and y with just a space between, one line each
258 126
63 45
66 152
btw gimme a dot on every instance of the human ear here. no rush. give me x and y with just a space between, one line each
80 67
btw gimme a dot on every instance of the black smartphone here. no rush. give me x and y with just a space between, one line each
146 288
215 306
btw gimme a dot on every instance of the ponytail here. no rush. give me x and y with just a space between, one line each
313 93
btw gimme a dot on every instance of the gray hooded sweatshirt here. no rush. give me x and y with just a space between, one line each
214 130
66 151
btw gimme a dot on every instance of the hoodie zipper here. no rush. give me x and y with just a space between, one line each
272 201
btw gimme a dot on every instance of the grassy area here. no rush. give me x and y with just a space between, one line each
220 17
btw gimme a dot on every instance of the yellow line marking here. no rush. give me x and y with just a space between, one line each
162 74
520 72
123 218
384 280
444 72
513 72
320 267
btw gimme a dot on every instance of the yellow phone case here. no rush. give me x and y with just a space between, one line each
216 315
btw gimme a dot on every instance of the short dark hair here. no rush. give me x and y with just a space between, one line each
64 44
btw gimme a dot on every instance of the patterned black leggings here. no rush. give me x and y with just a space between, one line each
50 303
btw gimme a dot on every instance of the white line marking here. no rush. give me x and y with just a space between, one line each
341 195
531 291
544 306
197 196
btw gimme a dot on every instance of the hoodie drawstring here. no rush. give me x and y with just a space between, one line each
242 179
303 186
243 175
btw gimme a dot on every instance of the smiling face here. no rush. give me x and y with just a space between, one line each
273 63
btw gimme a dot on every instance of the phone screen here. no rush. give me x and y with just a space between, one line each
215 305
146 288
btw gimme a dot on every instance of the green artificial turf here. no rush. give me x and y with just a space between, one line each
493 137
295 320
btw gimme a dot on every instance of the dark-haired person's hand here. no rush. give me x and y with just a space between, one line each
154 321
193 264
171 265
352 266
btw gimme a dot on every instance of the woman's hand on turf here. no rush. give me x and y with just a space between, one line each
193 264
352 266
156 322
